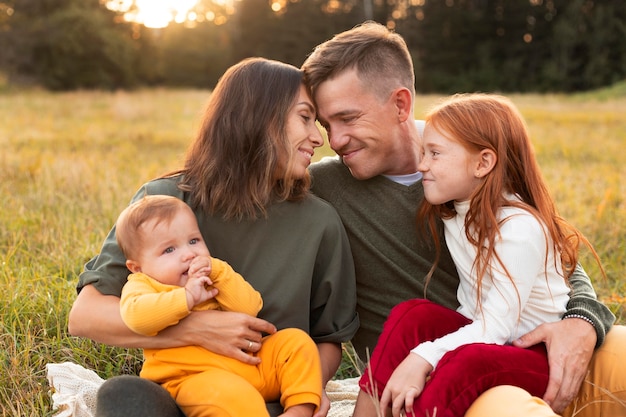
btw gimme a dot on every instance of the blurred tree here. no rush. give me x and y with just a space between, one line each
193 57
69 44
457 45
516 45
588 47
290 34
478 45
253 30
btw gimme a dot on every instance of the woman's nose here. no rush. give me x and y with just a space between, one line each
316 137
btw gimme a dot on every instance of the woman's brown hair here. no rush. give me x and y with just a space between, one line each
231 167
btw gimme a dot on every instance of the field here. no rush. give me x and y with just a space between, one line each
70 162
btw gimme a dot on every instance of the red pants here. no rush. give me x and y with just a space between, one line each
462 374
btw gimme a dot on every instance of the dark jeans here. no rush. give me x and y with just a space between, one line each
131 396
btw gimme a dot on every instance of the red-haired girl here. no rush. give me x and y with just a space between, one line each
512 251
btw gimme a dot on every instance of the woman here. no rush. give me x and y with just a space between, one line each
245 177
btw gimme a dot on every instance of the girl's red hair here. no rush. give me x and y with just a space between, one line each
485 121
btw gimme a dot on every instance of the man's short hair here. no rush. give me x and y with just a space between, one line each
380 56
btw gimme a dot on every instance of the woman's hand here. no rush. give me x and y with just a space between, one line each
406 384
324 406
223 332
97 317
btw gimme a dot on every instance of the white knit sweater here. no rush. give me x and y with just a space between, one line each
538 294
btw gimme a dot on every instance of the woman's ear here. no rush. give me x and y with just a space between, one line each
486 162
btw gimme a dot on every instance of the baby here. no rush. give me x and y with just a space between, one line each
173 274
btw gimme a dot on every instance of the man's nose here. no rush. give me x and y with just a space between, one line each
337 139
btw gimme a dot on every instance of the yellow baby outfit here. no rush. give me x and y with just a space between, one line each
207 384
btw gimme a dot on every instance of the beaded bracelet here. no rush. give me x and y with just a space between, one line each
579 316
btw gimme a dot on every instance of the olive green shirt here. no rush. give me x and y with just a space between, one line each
298 258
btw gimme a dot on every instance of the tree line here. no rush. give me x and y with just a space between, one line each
457 45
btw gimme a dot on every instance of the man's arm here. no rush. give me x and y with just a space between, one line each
97 317
571 341
584 304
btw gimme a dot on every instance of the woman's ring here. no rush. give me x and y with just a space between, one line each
249 344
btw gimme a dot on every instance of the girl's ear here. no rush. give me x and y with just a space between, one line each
486 162
133 266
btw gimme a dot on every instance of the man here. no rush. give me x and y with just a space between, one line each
362 82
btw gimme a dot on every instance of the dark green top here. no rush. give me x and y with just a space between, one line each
298 258
392 259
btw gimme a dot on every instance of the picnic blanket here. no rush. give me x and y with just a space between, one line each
74 391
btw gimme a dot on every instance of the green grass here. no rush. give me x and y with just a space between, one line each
70 162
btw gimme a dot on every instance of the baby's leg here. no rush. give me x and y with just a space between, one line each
217 393
290 366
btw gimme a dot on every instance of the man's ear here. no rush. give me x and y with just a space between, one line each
486 162
404 103
133 266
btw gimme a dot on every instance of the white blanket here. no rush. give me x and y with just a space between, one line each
74 391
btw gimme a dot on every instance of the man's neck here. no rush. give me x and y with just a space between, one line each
407 179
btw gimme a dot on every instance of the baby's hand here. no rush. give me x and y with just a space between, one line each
198 283
200 266
198 291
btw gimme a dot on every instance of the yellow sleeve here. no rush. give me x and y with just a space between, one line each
234 292
147 306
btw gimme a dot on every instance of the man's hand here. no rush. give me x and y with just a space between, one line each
223 332
570 344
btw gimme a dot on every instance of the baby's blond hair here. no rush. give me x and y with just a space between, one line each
128 228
